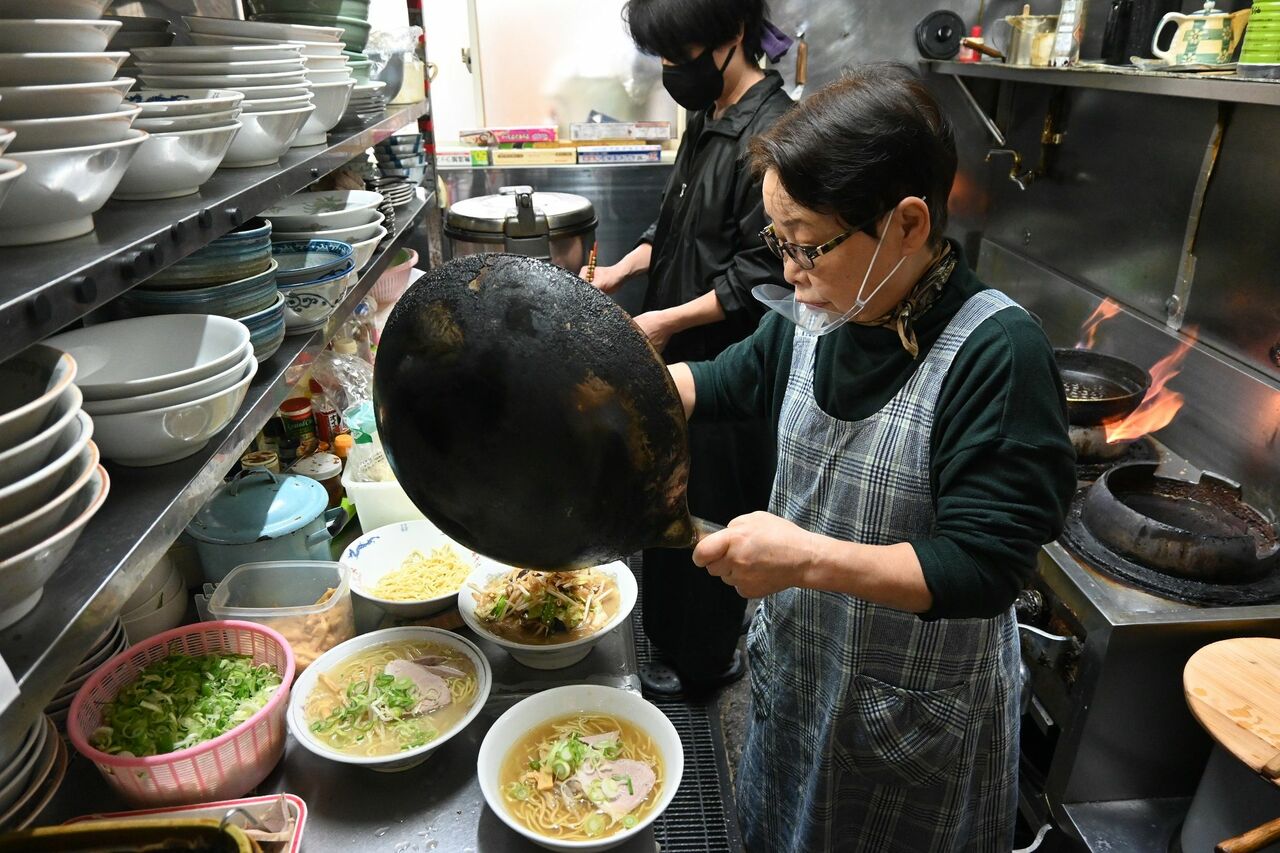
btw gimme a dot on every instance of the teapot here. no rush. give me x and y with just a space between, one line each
1207 37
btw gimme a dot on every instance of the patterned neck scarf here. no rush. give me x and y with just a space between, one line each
919 300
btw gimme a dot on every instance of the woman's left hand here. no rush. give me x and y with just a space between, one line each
757 554
657 327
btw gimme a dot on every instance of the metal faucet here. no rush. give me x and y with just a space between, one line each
1016 174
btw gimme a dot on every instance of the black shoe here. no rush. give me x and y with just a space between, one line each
661 681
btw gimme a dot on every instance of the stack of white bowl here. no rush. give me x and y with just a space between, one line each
327 68
159 604
277 97
367 103
33 763
160 387
350 217
112 642
75 150
192 133
50 481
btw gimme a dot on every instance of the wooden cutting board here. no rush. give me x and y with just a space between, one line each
1233 689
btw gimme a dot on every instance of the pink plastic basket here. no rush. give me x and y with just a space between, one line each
393 282
224 768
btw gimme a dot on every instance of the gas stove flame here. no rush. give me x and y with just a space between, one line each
1161 404
1089 331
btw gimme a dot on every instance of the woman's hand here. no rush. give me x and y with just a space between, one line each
758 554
658 327
607 279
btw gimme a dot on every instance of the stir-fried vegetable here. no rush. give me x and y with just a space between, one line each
181 701
385 698
538 605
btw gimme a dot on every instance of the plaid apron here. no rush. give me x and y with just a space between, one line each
872 730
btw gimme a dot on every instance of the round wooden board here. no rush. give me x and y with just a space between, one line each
1233 689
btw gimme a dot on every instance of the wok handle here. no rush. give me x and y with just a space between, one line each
703 528
1254 839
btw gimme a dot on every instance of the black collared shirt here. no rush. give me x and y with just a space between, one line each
707 233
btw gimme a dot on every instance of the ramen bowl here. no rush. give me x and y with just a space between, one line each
307 682
538 710
547 655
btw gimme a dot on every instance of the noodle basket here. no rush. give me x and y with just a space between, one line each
223 768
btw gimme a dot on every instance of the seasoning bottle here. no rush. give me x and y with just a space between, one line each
299 428
261 460
1070 34
326 469
325 413
342 445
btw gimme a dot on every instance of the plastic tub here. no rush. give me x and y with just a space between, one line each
225 767
391 285
286 597
377 504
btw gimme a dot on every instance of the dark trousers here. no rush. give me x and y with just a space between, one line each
694 618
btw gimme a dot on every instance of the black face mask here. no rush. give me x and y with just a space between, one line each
696 84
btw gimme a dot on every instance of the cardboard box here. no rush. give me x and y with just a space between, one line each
648 131
535 157
620 154
499 135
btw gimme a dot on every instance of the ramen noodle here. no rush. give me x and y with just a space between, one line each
420 577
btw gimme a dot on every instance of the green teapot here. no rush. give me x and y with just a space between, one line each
1207 37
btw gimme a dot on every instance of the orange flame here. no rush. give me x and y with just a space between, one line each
1089 331
1160 405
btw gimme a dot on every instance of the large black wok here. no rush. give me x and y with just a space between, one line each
1100 388
529 418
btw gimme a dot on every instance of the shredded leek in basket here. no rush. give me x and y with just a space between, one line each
182 701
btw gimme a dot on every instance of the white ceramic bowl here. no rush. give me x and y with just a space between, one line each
177 124
154 601
44 520
218 69
362 252
326 63
26 457
173 103
24 496
62 189
23 575
261 29
55 35
202 388
335 76
41 69
323 211
64 99
127 358
177 163
41 134
168 611
159 436
351 234
309 48
159 576
18 779
548 656
263 137
384 549
218 53
309 306
541 708
10 170
221 81
267 93
330 101
306 683
86 10
6 136
275 105
31 383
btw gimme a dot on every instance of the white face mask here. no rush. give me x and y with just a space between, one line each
819 321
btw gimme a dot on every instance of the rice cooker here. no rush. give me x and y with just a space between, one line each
556 227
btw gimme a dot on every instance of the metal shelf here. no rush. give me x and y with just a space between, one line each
47 286
1238 90
146 510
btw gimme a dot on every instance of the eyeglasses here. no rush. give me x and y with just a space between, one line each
806 256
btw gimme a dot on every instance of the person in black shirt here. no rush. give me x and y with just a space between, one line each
703 255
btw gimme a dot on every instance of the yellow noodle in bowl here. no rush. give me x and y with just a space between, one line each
422 577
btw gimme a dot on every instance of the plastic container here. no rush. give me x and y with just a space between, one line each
325 469
286 596
226 767
391 285
377 504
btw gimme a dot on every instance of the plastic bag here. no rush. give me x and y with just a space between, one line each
347 380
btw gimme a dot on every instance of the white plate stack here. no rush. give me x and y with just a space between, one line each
351 217
367 103
158 604
30 775
73 137
112 642
327 69
50 481
277 95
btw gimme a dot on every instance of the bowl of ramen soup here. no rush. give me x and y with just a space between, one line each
547 620
582 767
410 569
387 699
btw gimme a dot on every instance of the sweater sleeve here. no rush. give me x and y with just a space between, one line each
740 384
752 261
1002 471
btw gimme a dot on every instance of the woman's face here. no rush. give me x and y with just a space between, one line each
836 277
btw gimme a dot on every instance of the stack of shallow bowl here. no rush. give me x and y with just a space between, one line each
50 481
160 387
192 132
158 605
366 231
367 102
315 275
33 764
72 133
277 96
351 16
112 642
234 276
350 216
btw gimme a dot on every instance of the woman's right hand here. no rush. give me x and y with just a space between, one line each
607 279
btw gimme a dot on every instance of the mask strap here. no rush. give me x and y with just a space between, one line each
728 59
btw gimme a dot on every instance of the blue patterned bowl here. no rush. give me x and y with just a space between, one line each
266 329
233 299
238 255
302 261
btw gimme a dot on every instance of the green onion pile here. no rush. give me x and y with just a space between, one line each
386 699
182 701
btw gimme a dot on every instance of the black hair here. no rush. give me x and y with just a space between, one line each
668 28
860 145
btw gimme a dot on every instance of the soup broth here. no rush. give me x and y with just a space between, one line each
391 698
582 777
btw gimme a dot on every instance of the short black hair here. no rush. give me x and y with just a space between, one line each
667 28
860 145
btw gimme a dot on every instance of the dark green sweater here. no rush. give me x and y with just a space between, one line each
1001 465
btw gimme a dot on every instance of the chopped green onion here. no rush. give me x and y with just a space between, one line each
535 764
499 607
627 780
595 824
518 791
629 822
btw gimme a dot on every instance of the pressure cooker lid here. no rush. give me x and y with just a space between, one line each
566 213
259 505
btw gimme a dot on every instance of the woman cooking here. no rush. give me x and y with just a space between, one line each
923 459
703 257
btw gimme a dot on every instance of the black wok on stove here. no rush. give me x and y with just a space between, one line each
1100 388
